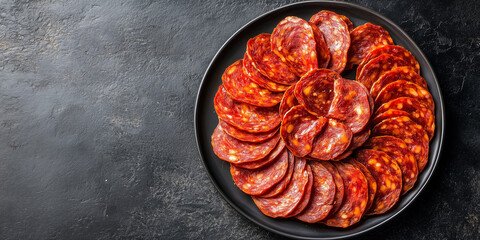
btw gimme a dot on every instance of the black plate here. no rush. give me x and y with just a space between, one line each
206 119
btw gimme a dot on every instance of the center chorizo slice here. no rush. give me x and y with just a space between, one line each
242 88
288 101
293 41
403 88
364 38
323 195
355 198
315 90
388 176
284 203
357 140
374 69
258 181
350 104
333 141
245 116
235 151
267 62
299 128
337 37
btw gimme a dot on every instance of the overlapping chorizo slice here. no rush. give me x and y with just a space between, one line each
245 116
394 50
267 62
388 176
377 67
293 41
282 185
332 141
243 89
397 149
323 195
257 77
315 90
410 132
365 38
417 111
400 73
235 151
286 202
266 160
348 22
390 113
339 187
323 54
337 37
258 181
306 195
350 104
288 101
372 184
403 88
357 140
355 198
244 135
299 128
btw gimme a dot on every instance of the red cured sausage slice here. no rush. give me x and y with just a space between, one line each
288 101
299 129
397 149
357 140
413 134
244 116
234 151
364 38
293 41
267 62
337 37
348 22
286 202
323 54
339 187
388 176
282 185
257 77
350 104
333 141
417 112
266 160
355 198
399 73
315 90
377 67
390 113
403 88
394 50
258 181
372 184
306 196
243 89
323 195
244 135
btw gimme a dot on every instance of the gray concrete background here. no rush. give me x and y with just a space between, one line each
96 119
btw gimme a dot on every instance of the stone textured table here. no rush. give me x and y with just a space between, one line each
96 119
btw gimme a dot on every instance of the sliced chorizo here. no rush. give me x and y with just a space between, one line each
403 88
400 73
364 38
258 78
394 50
332 141
374 69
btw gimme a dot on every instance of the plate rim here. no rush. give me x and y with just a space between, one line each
340 4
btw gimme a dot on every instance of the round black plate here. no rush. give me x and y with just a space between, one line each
206 118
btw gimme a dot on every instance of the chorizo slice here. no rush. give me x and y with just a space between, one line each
288 101
245 116
243 89
323 195
258 78
403 88
339 186
337 37
258 181
332 141
244 135
299 128
377 67
394 50
365 38
400 73
306 196
390 113
266 160
372 184
286 202
315 90
388 176
410 132
267 62
323 54
357 140
355 198
398 150
282 185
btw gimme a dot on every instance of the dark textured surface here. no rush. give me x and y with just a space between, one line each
96 119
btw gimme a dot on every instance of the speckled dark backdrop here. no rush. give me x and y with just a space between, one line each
96 119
